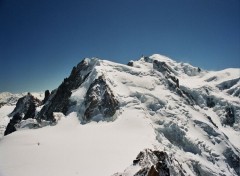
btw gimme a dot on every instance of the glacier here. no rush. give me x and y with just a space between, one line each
153 116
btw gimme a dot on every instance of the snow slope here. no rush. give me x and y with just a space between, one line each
195 123
73 149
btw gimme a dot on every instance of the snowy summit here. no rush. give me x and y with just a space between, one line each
151 117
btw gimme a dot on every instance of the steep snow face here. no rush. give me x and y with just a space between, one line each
189 115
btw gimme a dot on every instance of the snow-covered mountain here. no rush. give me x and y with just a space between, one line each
7 98
152 117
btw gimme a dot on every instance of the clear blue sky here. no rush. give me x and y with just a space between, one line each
41 40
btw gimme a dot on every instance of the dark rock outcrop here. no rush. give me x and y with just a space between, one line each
147 59
152 163
25 109
175 80
210 102
26 106
199 69
161 167
214 78
46 97
210 120
130 63
232 159
231 86
100 101
186 95
161 67
234 91
230 117
11 125
59 100
10 128
30 111
228 84
2 104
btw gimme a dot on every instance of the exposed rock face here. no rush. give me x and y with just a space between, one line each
26 107
210 119
157 160
187 96
130 63
59 100
233 159
235 91
161 66
199 69
230 117
46 97
147 59
175 80
210 102
231 87
100 101
2 104
151 163
11 125
187 118
228 84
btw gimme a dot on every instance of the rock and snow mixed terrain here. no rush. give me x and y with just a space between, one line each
8 103
151 117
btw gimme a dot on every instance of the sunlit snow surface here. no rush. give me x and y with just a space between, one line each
150 116
73 149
